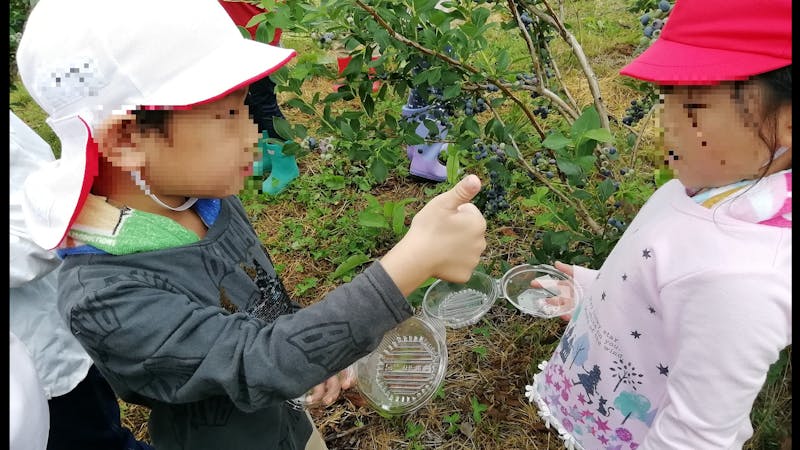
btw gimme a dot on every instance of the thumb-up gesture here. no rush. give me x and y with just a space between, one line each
445 240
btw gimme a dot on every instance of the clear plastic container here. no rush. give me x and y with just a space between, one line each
460 304
406 368
402 374
539 290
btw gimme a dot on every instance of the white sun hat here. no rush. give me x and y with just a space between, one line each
84 60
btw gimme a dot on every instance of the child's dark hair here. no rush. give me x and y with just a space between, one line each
148 119
777 91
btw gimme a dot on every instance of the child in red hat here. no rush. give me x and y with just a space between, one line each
673 340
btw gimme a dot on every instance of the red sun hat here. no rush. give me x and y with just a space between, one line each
708 41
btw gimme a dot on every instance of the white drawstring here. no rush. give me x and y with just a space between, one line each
137 178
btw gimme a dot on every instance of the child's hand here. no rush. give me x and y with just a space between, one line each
328 391
446 239
567 269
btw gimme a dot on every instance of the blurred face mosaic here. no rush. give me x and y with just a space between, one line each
711 134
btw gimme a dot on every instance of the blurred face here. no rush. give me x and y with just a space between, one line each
711 139
208 151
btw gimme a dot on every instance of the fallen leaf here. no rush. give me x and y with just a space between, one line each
466 429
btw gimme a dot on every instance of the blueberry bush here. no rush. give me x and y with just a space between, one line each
528 94
510 114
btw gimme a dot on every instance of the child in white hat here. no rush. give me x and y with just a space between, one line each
164 281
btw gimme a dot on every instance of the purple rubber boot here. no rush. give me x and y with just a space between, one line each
425 157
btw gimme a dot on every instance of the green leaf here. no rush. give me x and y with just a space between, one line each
605 190
378 170
569 168
503 60
265 32
299 72
581 194
497 129
420 78
349 264
333 182
585 162
599 135
354 66
390 120
369 105
568 216
413 139
452 91
452 164
258 18
434 75
469 124
292 149
479 16
585 147
477 409
399 220
372 220
346 130
543 219
661 176
588 120
556 240
300 131
556 141
282 128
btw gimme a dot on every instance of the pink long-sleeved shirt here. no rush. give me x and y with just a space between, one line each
676 332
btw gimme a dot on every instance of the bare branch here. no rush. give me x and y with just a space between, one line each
591 78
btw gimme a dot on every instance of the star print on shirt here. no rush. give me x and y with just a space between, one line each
635 334
663 370
603 297
651 309
624 276
646 253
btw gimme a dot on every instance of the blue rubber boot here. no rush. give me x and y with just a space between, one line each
284 169
264 164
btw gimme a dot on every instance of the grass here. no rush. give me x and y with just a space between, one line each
313 226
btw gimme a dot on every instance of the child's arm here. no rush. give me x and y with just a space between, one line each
154 339
156 328
445 240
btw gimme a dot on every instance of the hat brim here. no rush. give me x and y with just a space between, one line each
228 68
668 62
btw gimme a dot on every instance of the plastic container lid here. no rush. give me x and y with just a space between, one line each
406 368
460 304
555 295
